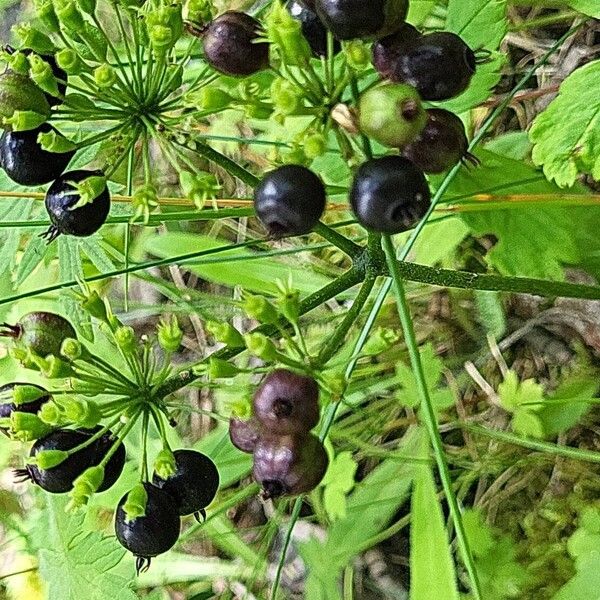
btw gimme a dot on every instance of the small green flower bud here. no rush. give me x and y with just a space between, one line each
161 38
135 504
211 99
285 96
51 414
105 76
18 63
382 339
93 304
169 334
259 308
71 349
221 369
289 305
225 333
24 120
68 14
52 141
70 62
85 486
30 37
27 427
24 394
357 54
315 145
165 465
43 76
126 340
260 345
47 459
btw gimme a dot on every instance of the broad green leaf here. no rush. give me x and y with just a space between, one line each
432 573
338 481
587 7
566 135
75 563
419 10
513 393
482 24
257 275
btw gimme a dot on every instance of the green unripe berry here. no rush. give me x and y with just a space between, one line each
260 345
358 55
105 76
70 62
285 96
225 333
315 145
392 114
259 308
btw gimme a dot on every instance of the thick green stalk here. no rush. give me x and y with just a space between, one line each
428 413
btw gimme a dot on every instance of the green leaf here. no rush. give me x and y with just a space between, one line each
491 312
481 24
338 481
587 7
419 10
566 135
34 254
432 573
513 393
261 276
77 564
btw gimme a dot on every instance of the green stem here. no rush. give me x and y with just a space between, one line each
428 414
338 240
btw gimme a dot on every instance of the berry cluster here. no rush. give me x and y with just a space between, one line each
79 443
288 459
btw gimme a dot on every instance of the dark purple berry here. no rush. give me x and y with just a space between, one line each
26 162
289 465
231 44
290 201
154 533
194 484
442 144
440 65
82 221
287 403
7 406
312 27
350 19
389 194
244 434
387 51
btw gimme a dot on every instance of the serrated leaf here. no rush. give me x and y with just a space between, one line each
432 572
34 254
587 7
566 136
481 24
77 564
96 253
514 393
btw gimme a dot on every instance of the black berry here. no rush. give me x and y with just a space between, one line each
287 403
231 44
350 19
154 533
40 332
442 143
82 221
389 194
7 406
244 434
26 162
289 465
440 65
312 27
290 200
194 484
387 51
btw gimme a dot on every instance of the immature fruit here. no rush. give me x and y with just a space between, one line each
154 533
40 332
59 479
312 27
442 143
194 484
440 65
231 44
389 195
350 19
391 114
387 51
244 434
287 403
59 74
290 200
7 407
83 221
289 465
19 93
26 162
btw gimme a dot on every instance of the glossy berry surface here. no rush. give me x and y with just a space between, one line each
289 465
312 27
154 533
287 403
290 200
7 407
244 434
389 195
440 65
26 162
82 221
231 44
387 51
442 144
391 114
351 19
195 483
